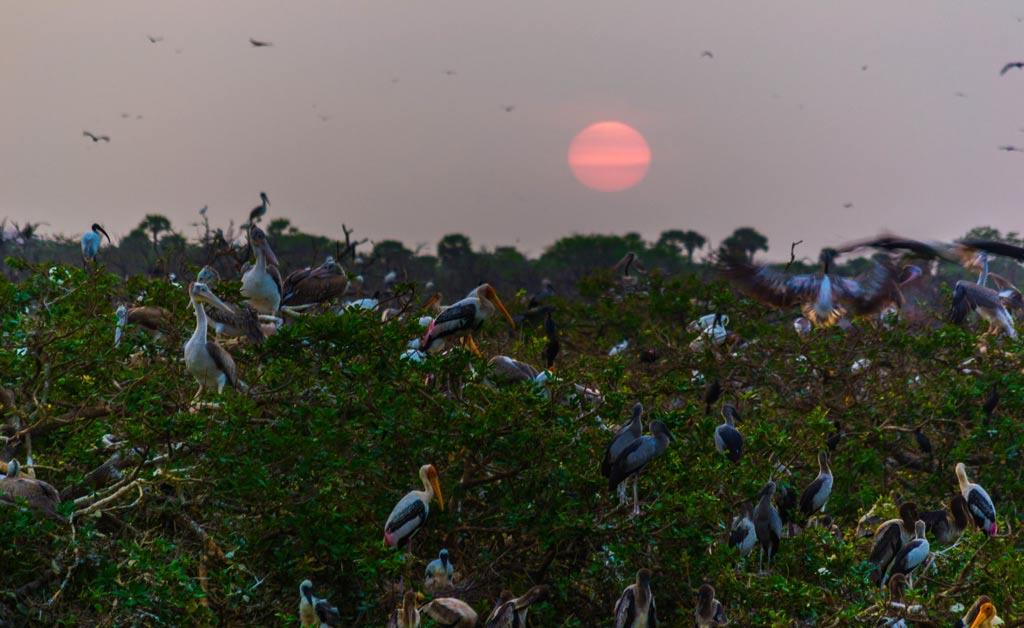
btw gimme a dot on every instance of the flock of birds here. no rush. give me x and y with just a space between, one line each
902 547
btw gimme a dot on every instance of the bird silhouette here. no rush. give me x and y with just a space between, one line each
847 205
508 108
707 54
863 68
449 72
1013 65
1011 149
260 44
96 138
154 40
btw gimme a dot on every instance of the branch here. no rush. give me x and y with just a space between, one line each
792 253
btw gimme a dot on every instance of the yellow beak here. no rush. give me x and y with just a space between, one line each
492 296
437 491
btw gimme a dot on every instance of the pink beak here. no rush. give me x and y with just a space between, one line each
269 252
424 343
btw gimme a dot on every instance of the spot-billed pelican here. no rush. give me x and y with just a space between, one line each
890 537
260 210
636 456
439 572
449 611
816 495
316 612
411 512
463 318
311 286
261 284
41 496
511 611
911 556
980 505
636 608
767 525
237 320
946 525
728 439
154 320
710 611
206 360
407 615
91 241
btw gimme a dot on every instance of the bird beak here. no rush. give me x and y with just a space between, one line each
437 490
432 301
104 232
215 301
269 252
492 296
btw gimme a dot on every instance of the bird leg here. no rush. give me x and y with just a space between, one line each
472 346
199 393
636 498
295 310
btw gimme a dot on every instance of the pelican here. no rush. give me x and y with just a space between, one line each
710 611
767 524
742 534
511 611
317 285
980 505
206 360
946 525
407 615
728 439
155 321
411 512
314 611
260 210
636 456
463 318
911 556
988 303
635 608
824 298
237 320
449 611
40 495
261 284
889 539
981 614
439 573
91 241
816 495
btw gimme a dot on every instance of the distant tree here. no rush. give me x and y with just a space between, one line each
155 225
983 233
454 248
279 226
746 241
680 240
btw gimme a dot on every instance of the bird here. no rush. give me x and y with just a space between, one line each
96 138
815 496
767 524
449 72
509 370
628 263
439 572
261 284
449 611
256 213
1010 148
847 205
911 556
511 611
553 345
979 504
923 442
314 611
889 539
311 286
407 615
207 361
743 535
636 456
824 298
462 318
91 242
981 614
991 401
636 608
728 439
711 395
41 496
154 320
863 68
237 320
411 512
969 296
707 54
154 39
1013 65
710 611
626 434
946 525
508 108
256 43
835 437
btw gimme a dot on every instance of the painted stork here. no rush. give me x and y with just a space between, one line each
237 320
410 513
91 243
980 505
206 360
439 573
889 539
261 284
511 370
636 456
946 525
636 608
824 298
314 611
311 286
407 615
154 320
710 611
816 495
450 611
260 210
511 611
981 614
767 525
911 556
463 318
728 439
742 534
41 496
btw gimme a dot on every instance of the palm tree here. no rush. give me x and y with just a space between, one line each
745 240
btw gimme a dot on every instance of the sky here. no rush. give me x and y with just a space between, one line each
390 116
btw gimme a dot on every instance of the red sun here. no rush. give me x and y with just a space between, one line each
609 156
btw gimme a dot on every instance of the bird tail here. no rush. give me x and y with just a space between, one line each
961 306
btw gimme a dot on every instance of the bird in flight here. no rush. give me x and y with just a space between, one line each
707 54
1011 149
863 68
260 44
449 72
154 40
960 94
1018 65
96 138
848 205
509 108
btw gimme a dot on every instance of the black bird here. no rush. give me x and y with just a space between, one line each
154 40
260 210
848 205
553 346
767 524
922 441
449 72
991 402
889 539
1013 65
711 395
260 44
816 495
946 525
836 436
636 456
710 611
728 439
707 54
626 434
96 138
788 502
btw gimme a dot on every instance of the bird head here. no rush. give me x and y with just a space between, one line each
207 275
827 256
908 513
486 291
920 528
306 591
264 199
201 293
643 577
13 468
258 240
705 597
443 556
429 474
97 229
987 617
659 428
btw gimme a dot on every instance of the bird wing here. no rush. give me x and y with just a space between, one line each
1010 66
888 542
408 510
503 616
625 608
242 318
969 296
807 498
623 437
980 504
652 615
40 495
995 248
225 363
732 440
151 317
770 286
455 318
633 458
314 287
868 293
275 275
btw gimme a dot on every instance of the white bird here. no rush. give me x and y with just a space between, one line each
411 512
980 505
207 361
91 241
314 611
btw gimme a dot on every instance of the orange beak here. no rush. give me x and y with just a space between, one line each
492 296
437 489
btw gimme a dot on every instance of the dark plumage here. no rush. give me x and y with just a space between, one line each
946 525
923 441
553 345
991 402
625 435
259 44
728 439
40 496
711 395
912 555
635 608
1013 65
835 437
767 523
710 611
639 453
889 539
816 495
96 138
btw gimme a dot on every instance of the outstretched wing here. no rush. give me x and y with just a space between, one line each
868 293
770 286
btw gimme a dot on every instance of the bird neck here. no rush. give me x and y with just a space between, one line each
200 333
961 477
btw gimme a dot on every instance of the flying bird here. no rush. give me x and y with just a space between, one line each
707 54
154 40
96 138
1010 148
1013 65
508 108
449 72
847 205
260 44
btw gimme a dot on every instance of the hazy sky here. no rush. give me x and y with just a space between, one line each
778 131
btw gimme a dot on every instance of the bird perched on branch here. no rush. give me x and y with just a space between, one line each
314 611
40 496
636 607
